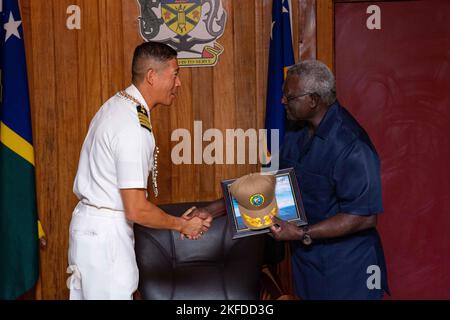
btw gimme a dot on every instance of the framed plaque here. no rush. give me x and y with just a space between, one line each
289 201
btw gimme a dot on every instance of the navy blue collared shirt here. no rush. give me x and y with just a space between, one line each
338 170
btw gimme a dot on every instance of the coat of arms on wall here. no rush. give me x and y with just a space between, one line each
191 27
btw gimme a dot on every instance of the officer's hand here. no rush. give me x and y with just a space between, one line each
283 230
201 213
193 228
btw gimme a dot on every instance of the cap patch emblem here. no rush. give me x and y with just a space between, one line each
257 200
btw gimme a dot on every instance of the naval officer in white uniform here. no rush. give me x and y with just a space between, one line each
116 160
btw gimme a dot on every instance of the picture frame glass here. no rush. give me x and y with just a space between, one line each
288 198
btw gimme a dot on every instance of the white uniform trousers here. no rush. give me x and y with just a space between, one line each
102 261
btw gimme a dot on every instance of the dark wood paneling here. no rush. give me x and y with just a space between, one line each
307 29
67 100
224 92
325 29
39 26
203 102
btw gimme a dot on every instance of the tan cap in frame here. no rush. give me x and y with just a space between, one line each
255 194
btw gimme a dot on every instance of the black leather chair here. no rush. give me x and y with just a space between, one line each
214 267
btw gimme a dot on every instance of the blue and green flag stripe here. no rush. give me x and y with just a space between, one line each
16 143
19 245
19 269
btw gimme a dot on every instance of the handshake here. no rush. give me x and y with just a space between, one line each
195 223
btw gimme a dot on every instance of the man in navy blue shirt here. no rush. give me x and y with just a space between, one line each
339 254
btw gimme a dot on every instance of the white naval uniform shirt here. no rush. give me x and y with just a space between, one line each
117 154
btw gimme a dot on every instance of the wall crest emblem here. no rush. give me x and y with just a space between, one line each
191 27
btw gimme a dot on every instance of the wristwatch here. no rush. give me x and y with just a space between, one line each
306 239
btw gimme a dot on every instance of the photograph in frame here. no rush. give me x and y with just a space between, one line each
288 198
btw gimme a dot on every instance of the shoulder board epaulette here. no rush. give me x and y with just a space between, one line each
143 118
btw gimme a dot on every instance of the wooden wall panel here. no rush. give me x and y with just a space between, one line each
72 72
66 76
244 75
325 30
43 107
203 102
307 29
224 92
182 116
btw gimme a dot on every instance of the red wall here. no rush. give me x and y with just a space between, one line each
396 82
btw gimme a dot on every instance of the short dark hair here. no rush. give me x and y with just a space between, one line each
156 51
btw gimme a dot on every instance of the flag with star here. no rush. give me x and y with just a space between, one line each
19 243
281 56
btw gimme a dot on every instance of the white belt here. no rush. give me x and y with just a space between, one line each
101 211
100 208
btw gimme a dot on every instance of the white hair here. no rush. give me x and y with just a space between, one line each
317 78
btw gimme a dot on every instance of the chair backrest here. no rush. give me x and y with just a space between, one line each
211 268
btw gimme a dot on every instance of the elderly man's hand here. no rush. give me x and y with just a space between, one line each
202 214
285 231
